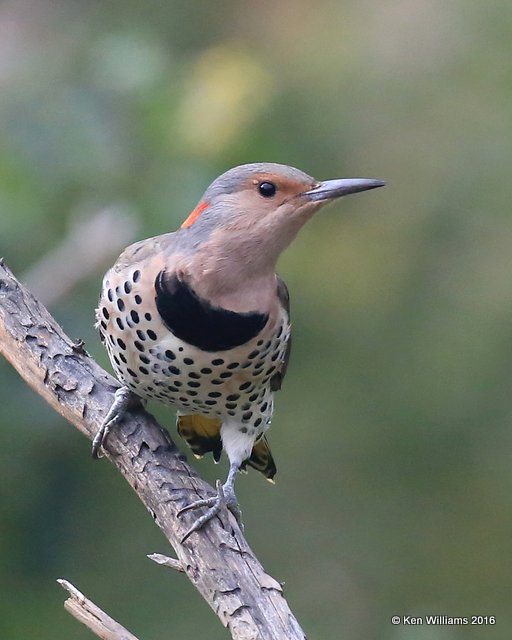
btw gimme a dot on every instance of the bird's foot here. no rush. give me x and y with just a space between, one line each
225 498
124 399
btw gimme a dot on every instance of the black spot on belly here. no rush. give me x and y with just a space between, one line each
120 323
105 313
197 322
110 295
127 286
136 276
120 304
121 343
152 335
135 316
138 299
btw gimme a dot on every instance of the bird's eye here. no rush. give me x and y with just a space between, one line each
267 189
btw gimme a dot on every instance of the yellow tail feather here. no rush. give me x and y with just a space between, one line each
202 434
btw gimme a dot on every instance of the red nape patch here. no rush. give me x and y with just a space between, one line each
195 214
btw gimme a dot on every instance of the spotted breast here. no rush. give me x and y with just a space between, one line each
166 343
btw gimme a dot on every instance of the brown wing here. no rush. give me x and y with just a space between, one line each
284 297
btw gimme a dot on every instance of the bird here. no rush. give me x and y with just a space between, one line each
199 320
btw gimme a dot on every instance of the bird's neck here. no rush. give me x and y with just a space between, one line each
237 275
233 265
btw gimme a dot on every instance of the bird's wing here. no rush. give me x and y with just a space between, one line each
284 297
144 251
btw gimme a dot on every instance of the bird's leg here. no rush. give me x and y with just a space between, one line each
225 498
124 399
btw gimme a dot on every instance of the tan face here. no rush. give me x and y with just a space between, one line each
267 192
269 200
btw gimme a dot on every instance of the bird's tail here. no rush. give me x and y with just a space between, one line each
202 434
261 459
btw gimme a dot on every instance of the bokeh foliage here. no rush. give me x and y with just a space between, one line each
392 434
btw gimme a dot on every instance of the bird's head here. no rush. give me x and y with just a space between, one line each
267 196
251 213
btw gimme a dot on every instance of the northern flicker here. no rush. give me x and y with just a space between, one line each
199 320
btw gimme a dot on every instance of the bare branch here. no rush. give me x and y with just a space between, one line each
217 560
92 616
165 561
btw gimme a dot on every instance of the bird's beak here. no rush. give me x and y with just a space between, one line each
331 189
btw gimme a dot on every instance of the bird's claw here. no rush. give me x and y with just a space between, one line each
123 399
225 498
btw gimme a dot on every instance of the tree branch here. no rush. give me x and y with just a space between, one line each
92 616
217 560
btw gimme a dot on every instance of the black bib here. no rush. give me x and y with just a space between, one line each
197 322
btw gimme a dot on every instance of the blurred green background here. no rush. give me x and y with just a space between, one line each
392 434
